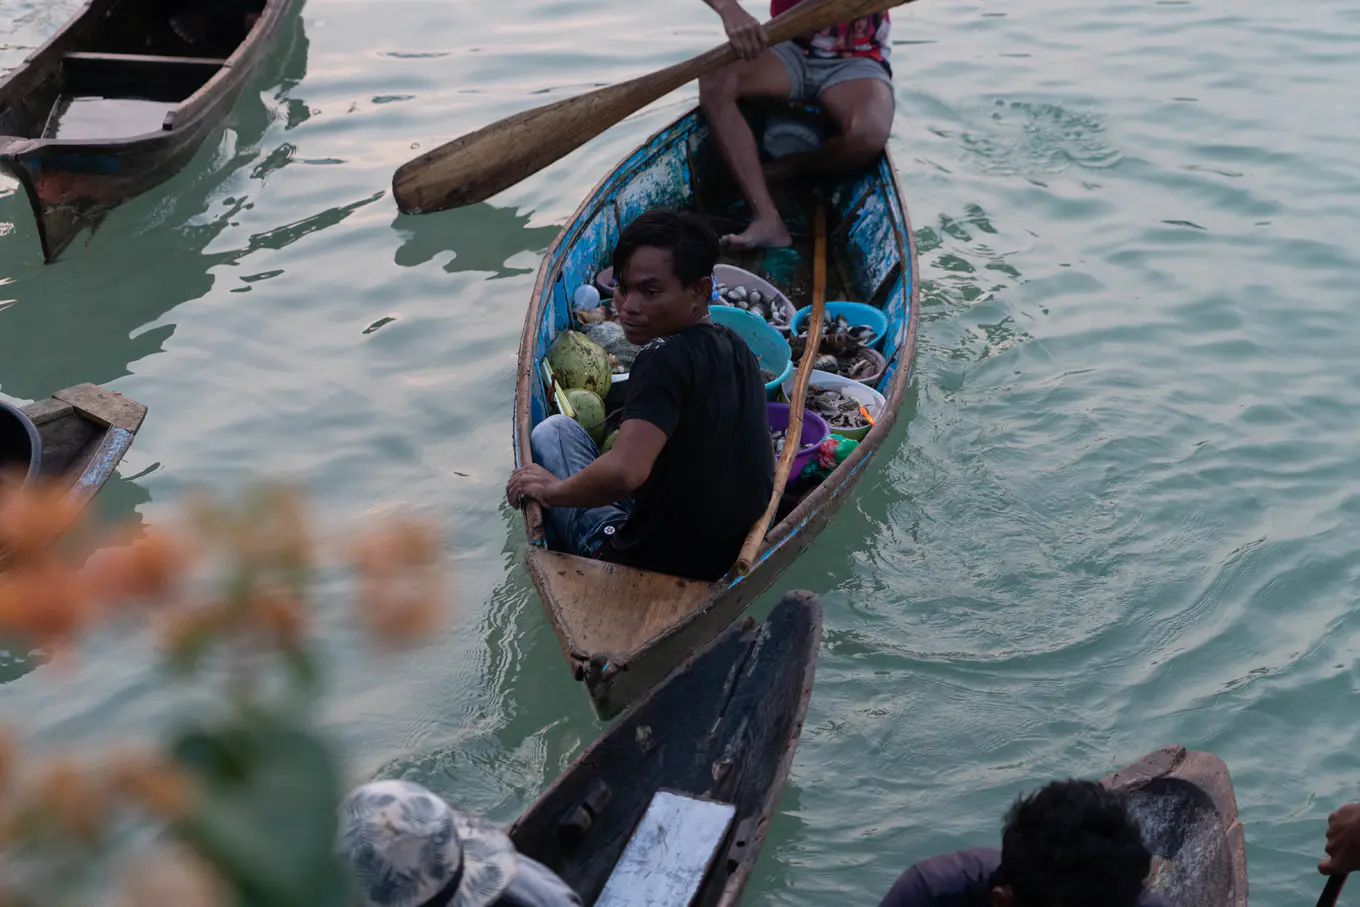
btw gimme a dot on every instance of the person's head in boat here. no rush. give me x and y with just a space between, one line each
406 847
1070 843
663 274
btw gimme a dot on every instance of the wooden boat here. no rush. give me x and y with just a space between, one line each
85 432
673 802
1184 802
623 629
117 102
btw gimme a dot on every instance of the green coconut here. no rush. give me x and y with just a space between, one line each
580 363
590 412
609 441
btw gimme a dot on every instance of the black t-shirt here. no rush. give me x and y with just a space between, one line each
963 879
703 388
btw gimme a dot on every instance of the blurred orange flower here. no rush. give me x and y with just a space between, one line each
155 784
45 602
146 568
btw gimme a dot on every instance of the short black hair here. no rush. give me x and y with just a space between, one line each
692 243
1073 843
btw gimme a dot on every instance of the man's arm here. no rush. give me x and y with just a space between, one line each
743 30
611 478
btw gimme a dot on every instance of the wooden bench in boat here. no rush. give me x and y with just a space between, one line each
670 852
137 78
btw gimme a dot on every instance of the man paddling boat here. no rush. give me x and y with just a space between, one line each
843 68
692 466
1070 843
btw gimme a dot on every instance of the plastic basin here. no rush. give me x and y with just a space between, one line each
734 276
872 400
771 349
20 444
857 313
815 431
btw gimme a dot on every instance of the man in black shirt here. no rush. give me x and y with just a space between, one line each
692 467
1071 844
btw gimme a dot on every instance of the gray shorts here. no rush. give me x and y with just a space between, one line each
810 76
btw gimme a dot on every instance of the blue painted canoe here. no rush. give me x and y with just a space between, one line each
621 629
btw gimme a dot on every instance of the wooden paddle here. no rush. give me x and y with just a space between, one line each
1332 891
794 434
482 163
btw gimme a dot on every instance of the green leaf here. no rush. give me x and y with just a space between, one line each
268 819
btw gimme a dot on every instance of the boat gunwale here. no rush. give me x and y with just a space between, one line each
820 500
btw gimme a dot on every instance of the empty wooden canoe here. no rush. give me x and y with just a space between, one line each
85 432
1184 802
718 736
117 102
623 629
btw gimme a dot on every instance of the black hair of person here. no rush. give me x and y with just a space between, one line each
1073 843
692 243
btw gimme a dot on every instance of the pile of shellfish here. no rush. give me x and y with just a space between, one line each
765 306
838 409
839 354
833 326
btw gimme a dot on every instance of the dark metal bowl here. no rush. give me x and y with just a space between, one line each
20 443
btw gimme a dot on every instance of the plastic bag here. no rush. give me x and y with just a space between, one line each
609 334
829 454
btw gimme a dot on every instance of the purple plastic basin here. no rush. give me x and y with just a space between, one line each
815 431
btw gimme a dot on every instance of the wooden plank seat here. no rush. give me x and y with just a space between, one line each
147 76
150 59
669 853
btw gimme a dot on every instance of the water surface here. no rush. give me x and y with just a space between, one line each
1122 510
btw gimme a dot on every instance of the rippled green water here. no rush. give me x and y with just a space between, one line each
1122 513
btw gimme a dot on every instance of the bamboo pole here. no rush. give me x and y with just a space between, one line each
793 436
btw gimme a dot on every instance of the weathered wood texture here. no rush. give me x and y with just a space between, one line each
1184 802
480 164
723 727
614 611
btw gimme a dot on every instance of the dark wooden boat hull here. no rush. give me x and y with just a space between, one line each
72 183
724 726
621 629
1184 802
86 430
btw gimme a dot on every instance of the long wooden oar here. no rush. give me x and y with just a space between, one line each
482 163
1332 891
793 435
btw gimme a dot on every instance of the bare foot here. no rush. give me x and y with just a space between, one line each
765 233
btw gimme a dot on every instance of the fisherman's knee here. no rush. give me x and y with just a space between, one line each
718 87
549 432
864 139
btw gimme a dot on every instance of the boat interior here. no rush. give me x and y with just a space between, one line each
719 732
139 63
69 437
681 168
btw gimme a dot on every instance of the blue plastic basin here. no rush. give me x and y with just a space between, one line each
857 313
771 349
